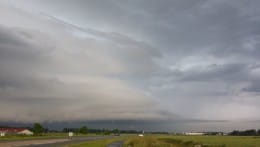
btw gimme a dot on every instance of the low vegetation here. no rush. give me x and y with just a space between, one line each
191 141
154 141
225 141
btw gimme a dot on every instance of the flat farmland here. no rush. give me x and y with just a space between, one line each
190 141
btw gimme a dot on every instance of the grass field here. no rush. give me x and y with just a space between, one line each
190 141
155 141
228 141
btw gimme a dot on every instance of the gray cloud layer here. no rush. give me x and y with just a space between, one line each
130 59
65 76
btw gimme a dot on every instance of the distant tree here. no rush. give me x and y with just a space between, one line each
106 132
46 130
37 129
250 132
75 130
83 130
234 133
258 132
65 130
115 131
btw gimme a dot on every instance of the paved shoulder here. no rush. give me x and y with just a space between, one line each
75 140
31 142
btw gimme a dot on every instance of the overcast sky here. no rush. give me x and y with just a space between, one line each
145 60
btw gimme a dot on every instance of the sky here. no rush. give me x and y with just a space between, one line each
177 64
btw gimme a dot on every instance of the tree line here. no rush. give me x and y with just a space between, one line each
251 132
38 129
101 131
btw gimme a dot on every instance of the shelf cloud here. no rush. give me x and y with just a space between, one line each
63 60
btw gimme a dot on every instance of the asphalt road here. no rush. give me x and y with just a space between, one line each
75 140
52 142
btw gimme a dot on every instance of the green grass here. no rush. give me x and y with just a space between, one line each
227 141
190 141
98 143
154 141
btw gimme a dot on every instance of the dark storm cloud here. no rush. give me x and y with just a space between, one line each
65 75
13 46
253 87
216 27
231 72
194 54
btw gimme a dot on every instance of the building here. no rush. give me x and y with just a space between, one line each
15 131
194 133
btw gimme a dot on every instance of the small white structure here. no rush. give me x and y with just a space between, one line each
141 135
2 134
71 135
25 132
194 133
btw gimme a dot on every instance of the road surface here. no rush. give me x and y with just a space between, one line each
51 142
